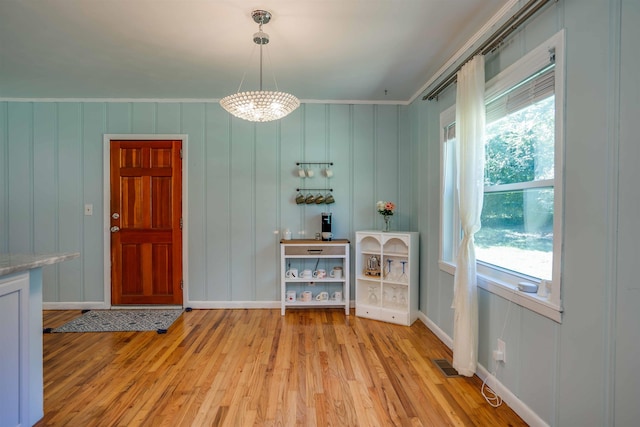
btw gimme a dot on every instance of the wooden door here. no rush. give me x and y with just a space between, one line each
146 223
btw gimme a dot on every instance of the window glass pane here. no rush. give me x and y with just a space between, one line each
520 147
517 231
448 199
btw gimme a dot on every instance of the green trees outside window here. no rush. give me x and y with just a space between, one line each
517 215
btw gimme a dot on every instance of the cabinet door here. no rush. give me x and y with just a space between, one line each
14 314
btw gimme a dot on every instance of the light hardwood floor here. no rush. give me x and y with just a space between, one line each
255 367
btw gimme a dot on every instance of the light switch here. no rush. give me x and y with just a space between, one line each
88 209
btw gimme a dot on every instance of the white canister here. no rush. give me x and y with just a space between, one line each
291 296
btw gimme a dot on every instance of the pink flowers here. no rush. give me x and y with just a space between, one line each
385 208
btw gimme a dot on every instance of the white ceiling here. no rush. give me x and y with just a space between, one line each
341 50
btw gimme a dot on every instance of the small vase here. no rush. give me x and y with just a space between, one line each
387 223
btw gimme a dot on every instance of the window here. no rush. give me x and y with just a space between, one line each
521 234
517 213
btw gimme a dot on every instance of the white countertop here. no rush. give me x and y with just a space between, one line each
11 263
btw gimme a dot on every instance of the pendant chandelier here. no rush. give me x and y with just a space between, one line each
260 106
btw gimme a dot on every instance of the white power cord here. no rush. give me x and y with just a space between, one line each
488 393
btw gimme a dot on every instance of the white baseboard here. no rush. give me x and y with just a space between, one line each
446 339
145 307
100 305
85 305
237 304
518 406
232 304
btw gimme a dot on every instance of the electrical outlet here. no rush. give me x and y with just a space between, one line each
502 348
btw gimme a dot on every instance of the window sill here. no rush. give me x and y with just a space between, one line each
510 292
447 267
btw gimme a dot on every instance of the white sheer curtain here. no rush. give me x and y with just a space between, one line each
470 123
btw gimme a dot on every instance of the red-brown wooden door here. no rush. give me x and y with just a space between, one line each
146 229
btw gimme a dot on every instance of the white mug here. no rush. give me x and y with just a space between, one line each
306 274
319 274
322 296
291 273
336 296
301 173
336 273
291 296
309 173
306 296
328 173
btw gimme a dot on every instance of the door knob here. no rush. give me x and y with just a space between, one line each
115 228
115 215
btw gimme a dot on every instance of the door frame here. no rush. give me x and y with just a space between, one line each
106 220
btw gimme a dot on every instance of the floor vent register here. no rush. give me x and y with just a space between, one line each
445 366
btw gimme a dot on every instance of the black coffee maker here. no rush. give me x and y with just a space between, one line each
326 226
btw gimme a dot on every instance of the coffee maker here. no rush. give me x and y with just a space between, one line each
326 226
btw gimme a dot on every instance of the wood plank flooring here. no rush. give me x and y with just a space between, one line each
258 368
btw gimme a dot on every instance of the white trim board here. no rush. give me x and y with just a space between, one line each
242 305
106 140
233 305
490 25
83 305
204 100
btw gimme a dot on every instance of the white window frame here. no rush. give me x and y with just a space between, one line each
449 215
496 280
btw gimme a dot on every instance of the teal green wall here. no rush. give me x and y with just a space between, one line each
582 372
623 296
241 185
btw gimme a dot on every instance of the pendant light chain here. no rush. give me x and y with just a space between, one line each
261 67
244 74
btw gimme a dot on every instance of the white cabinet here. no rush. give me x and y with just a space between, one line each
387 276
21 372
14 350
314 273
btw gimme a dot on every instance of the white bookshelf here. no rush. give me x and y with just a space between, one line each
386 276
305 254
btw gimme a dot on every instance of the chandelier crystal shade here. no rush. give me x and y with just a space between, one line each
260 106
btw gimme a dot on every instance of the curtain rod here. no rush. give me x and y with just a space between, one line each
492 43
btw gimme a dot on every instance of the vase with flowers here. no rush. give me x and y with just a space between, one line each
386 210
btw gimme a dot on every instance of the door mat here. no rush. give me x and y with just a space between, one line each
121 321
